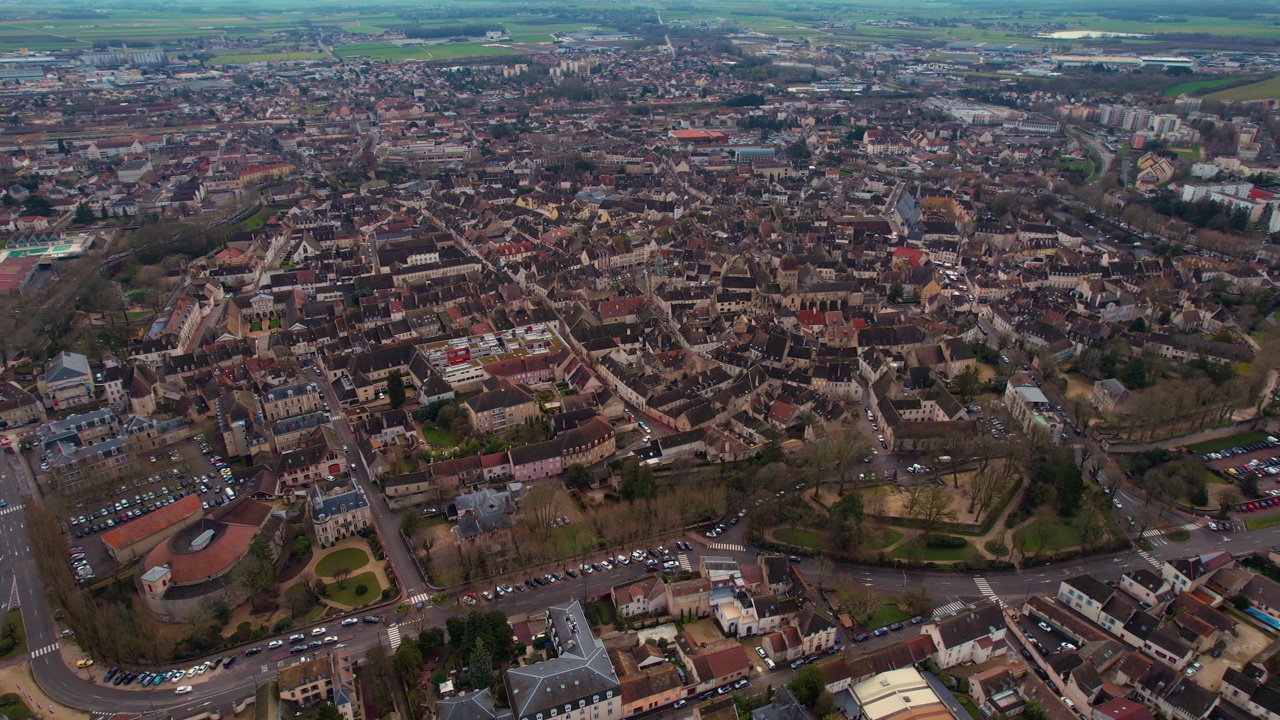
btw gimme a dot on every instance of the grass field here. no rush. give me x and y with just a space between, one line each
801 538
349 558
436 436
236 59
1259 523
1178 536
1060 536
1264 90
347 595
14 707
886 615
1209 446
14 618
1191 86
915 550
389 51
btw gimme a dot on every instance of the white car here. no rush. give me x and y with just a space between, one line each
275 644
330 639
193 671
606 565
319 631
349 621
624 560
182 690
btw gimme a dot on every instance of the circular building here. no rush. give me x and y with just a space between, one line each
194 568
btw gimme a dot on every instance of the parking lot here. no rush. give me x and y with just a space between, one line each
1048 640
1258 461
188 468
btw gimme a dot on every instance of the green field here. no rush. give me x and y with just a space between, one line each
1194 85
1230 441
1264 90
886 615
1061 536
347 595
389 51
955 21
915 550
14 618
349 558
801 538
1259 523
237 59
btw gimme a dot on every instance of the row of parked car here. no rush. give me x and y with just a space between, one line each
80 564
1270 442
116 676
886 629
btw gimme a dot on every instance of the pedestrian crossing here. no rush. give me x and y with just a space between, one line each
949 609
44 650
1148 557
731 547
684 562
11 508
984 587
420 598
393 634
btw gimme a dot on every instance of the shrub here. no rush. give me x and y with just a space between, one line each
387 593
945 541
361 589
282 624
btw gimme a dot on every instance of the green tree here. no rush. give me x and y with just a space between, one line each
410 522
430 640
395 389
258 570
637 481
799 150
967 383
895 292
323 711
407 662
578 476
807 685
84 215
480 661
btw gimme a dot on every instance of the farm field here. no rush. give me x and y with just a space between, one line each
1194 85
1263 90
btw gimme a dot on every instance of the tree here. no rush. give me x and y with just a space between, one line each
851 447
895 292
395 389
407 662
917 601
637 481
481 662
967 383
410 522
861 605
799 150
807 685
341 574
84 215
824 567
323 711
430 640
258 571
578 476
930 504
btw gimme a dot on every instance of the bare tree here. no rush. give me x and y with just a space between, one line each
862 605
824 567
341 574
930 504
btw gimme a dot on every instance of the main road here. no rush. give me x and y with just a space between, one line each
218 688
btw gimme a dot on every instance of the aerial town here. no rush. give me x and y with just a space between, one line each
649 365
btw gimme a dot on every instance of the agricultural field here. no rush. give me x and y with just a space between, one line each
1192 86
1263 90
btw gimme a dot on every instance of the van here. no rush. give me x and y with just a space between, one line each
944 459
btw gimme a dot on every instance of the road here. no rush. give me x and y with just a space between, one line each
1106 155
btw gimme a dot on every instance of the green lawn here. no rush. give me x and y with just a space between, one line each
1264 90
11 706
969 705
1191 86
1209 446
1258 523
915 550
801 538
243 59
349 558
347 595
436 436
1061 536
571 539
886 615
1178 536
14 618
889 537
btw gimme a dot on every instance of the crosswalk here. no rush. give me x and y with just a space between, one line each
1148 557
949 609
420 598
393 634
684 562
44 650
984 587
731 547
11 508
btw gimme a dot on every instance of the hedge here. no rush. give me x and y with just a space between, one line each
939 542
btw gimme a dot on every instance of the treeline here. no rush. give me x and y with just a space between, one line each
445 31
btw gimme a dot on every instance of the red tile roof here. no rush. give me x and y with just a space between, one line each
131 532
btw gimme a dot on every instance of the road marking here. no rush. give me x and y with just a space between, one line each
984 587
393 634
44 650
11 508
684 562
949 609
420 598
731 547
1147 556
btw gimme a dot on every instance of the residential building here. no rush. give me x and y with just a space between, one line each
338 515
67 381
972 637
